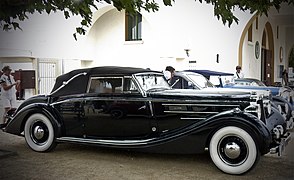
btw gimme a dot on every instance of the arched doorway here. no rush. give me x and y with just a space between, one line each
267 55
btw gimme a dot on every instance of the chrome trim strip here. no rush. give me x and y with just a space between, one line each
197 100
106 142
191 112
97 98
166 102
80 99
151 108
221 105
192 118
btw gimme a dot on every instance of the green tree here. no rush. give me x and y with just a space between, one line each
13 10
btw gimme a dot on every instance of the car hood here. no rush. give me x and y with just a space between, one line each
206 92
274 90
259 92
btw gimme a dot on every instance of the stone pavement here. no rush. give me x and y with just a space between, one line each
5 153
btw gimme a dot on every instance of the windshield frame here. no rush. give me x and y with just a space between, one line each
208 83
162 83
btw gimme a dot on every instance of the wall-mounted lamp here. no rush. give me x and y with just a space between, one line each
187 52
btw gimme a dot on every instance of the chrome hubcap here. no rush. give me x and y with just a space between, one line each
39 132
232 150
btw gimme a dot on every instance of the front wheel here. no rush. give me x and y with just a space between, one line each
39 133
233 150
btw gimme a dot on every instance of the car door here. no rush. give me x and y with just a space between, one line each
114 108
71 110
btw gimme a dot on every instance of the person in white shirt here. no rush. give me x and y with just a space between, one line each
238 74
8 91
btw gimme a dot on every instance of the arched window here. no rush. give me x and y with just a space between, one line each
250 33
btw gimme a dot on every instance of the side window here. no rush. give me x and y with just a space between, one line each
215 80
129 85
105 85
176 82
180 83
187 85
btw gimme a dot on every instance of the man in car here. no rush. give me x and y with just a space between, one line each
169 74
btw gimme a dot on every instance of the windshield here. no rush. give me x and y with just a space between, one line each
200 80
152 81
249 82
260 83
220 81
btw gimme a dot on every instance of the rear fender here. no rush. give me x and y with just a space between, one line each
17 122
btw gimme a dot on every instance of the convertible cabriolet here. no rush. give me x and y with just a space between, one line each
285 91
136 109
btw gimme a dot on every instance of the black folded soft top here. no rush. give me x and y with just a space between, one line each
79 84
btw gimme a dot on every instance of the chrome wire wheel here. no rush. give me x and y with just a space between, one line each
233 150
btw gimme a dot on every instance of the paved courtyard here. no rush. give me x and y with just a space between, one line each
72 161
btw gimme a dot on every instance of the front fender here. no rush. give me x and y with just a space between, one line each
17 122
244 120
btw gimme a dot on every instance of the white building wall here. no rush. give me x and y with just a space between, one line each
44 36
166 34
252 65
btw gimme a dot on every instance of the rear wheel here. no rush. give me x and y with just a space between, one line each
39 133
233 150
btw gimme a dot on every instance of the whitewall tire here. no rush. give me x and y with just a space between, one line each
39 133
233 150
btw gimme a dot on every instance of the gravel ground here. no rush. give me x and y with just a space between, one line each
72 161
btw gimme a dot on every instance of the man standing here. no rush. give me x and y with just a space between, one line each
8 90
238 74
285 78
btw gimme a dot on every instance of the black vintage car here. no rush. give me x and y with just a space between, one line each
134 108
